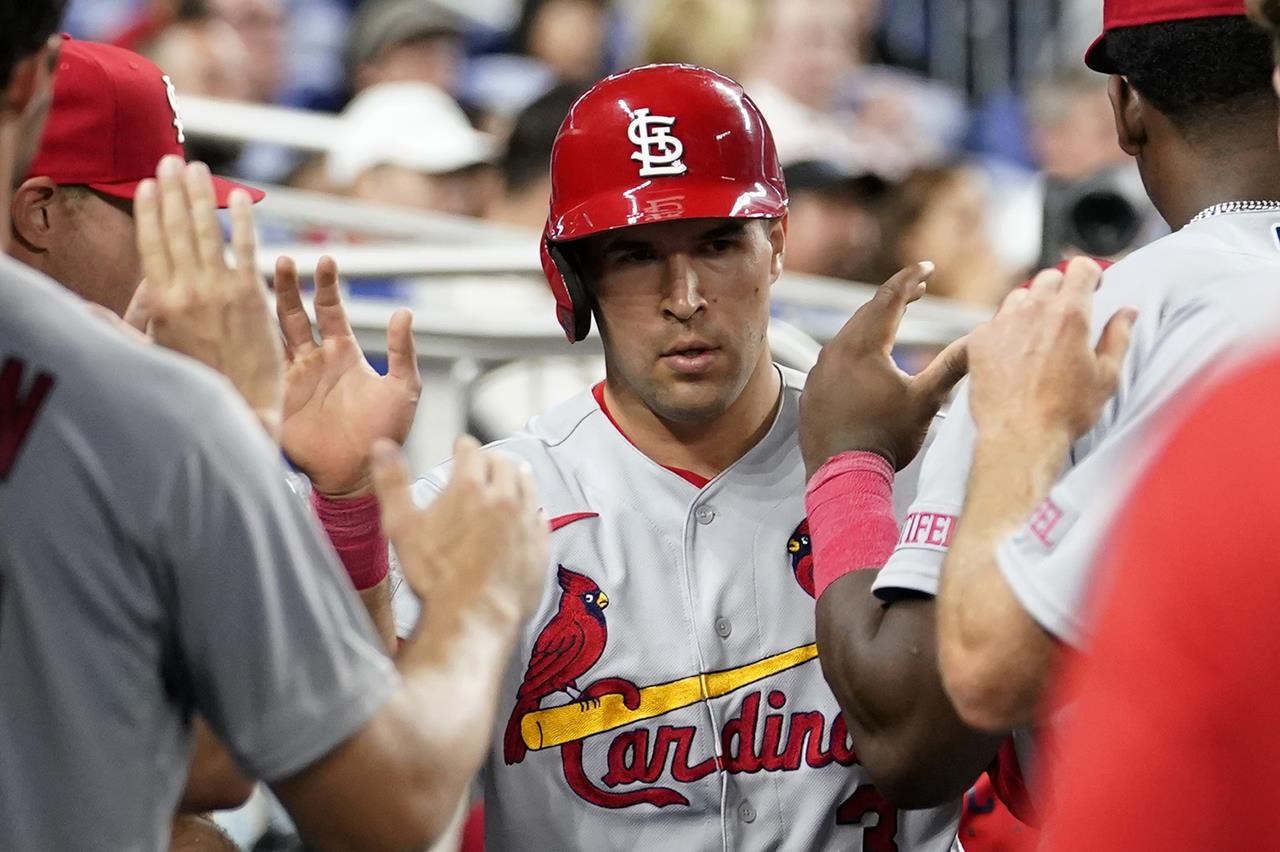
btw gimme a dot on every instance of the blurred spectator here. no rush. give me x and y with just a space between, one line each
715 34
553 41
410 144
152 19
261 25
567 36
1090 199
403 41
833 231
525 164
939 214
802 48
1072 129
205 57
813 82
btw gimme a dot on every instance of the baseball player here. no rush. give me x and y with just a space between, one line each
1191 93
153 563
1149 678
1183 647
113 118
667 691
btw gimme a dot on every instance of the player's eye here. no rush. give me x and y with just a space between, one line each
721 246
629 256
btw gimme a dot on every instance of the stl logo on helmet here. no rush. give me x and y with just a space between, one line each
659 151
172 94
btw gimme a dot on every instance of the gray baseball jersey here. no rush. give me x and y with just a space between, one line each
666 693
153 563
1200 293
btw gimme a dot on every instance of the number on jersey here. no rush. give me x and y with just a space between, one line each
866 804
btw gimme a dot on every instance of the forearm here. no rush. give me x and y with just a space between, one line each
354 529
879 660
992 655
397 782
881 666
377 602
193 833
214 781
451 670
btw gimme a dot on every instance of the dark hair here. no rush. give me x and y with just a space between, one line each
1199 71
527 158
25 25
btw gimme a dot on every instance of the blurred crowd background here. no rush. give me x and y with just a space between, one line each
966 132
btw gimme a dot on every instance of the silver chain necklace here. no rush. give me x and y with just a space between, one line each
1236 207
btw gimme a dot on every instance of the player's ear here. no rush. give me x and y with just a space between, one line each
31 212
1126 107
777 230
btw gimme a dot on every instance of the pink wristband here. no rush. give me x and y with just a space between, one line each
851 522
355 529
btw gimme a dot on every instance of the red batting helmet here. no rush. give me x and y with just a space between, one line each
647 145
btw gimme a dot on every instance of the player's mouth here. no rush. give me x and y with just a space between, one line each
690 357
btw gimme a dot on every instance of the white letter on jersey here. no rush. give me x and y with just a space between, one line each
660 152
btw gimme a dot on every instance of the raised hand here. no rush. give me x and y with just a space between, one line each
335 404
856 397
483 542
1035 369
199 305
138 314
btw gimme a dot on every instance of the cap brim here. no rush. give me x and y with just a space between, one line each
222 189
654 202
1096 58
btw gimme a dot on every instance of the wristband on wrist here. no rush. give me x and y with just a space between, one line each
851 522
354 528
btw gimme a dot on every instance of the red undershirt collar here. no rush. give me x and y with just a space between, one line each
697 480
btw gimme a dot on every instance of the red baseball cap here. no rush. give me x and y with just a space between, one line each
1135 13
114 116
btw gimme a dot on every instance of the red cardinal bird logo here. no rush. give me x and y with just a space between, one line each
565 650
801 552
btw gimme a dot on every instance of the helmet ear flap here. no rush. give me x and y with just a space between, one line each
573 298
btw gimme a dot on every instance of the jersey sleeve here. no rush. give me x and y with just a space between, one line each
405 606
1048 561
1170 740
275 650
916 562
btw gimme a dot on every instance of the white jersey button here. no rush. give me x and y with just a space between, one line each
723 627
705 515
746 813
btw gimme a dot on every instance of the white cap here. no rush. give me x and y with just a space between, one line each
412 125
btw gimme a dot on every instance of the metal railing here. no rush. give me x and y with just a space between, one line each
444 263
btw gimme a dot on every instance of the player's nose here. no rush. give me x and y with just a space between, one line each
683 290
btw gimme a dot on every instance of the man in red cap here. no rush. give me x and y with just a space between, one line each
1173 710
997 548
114 116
